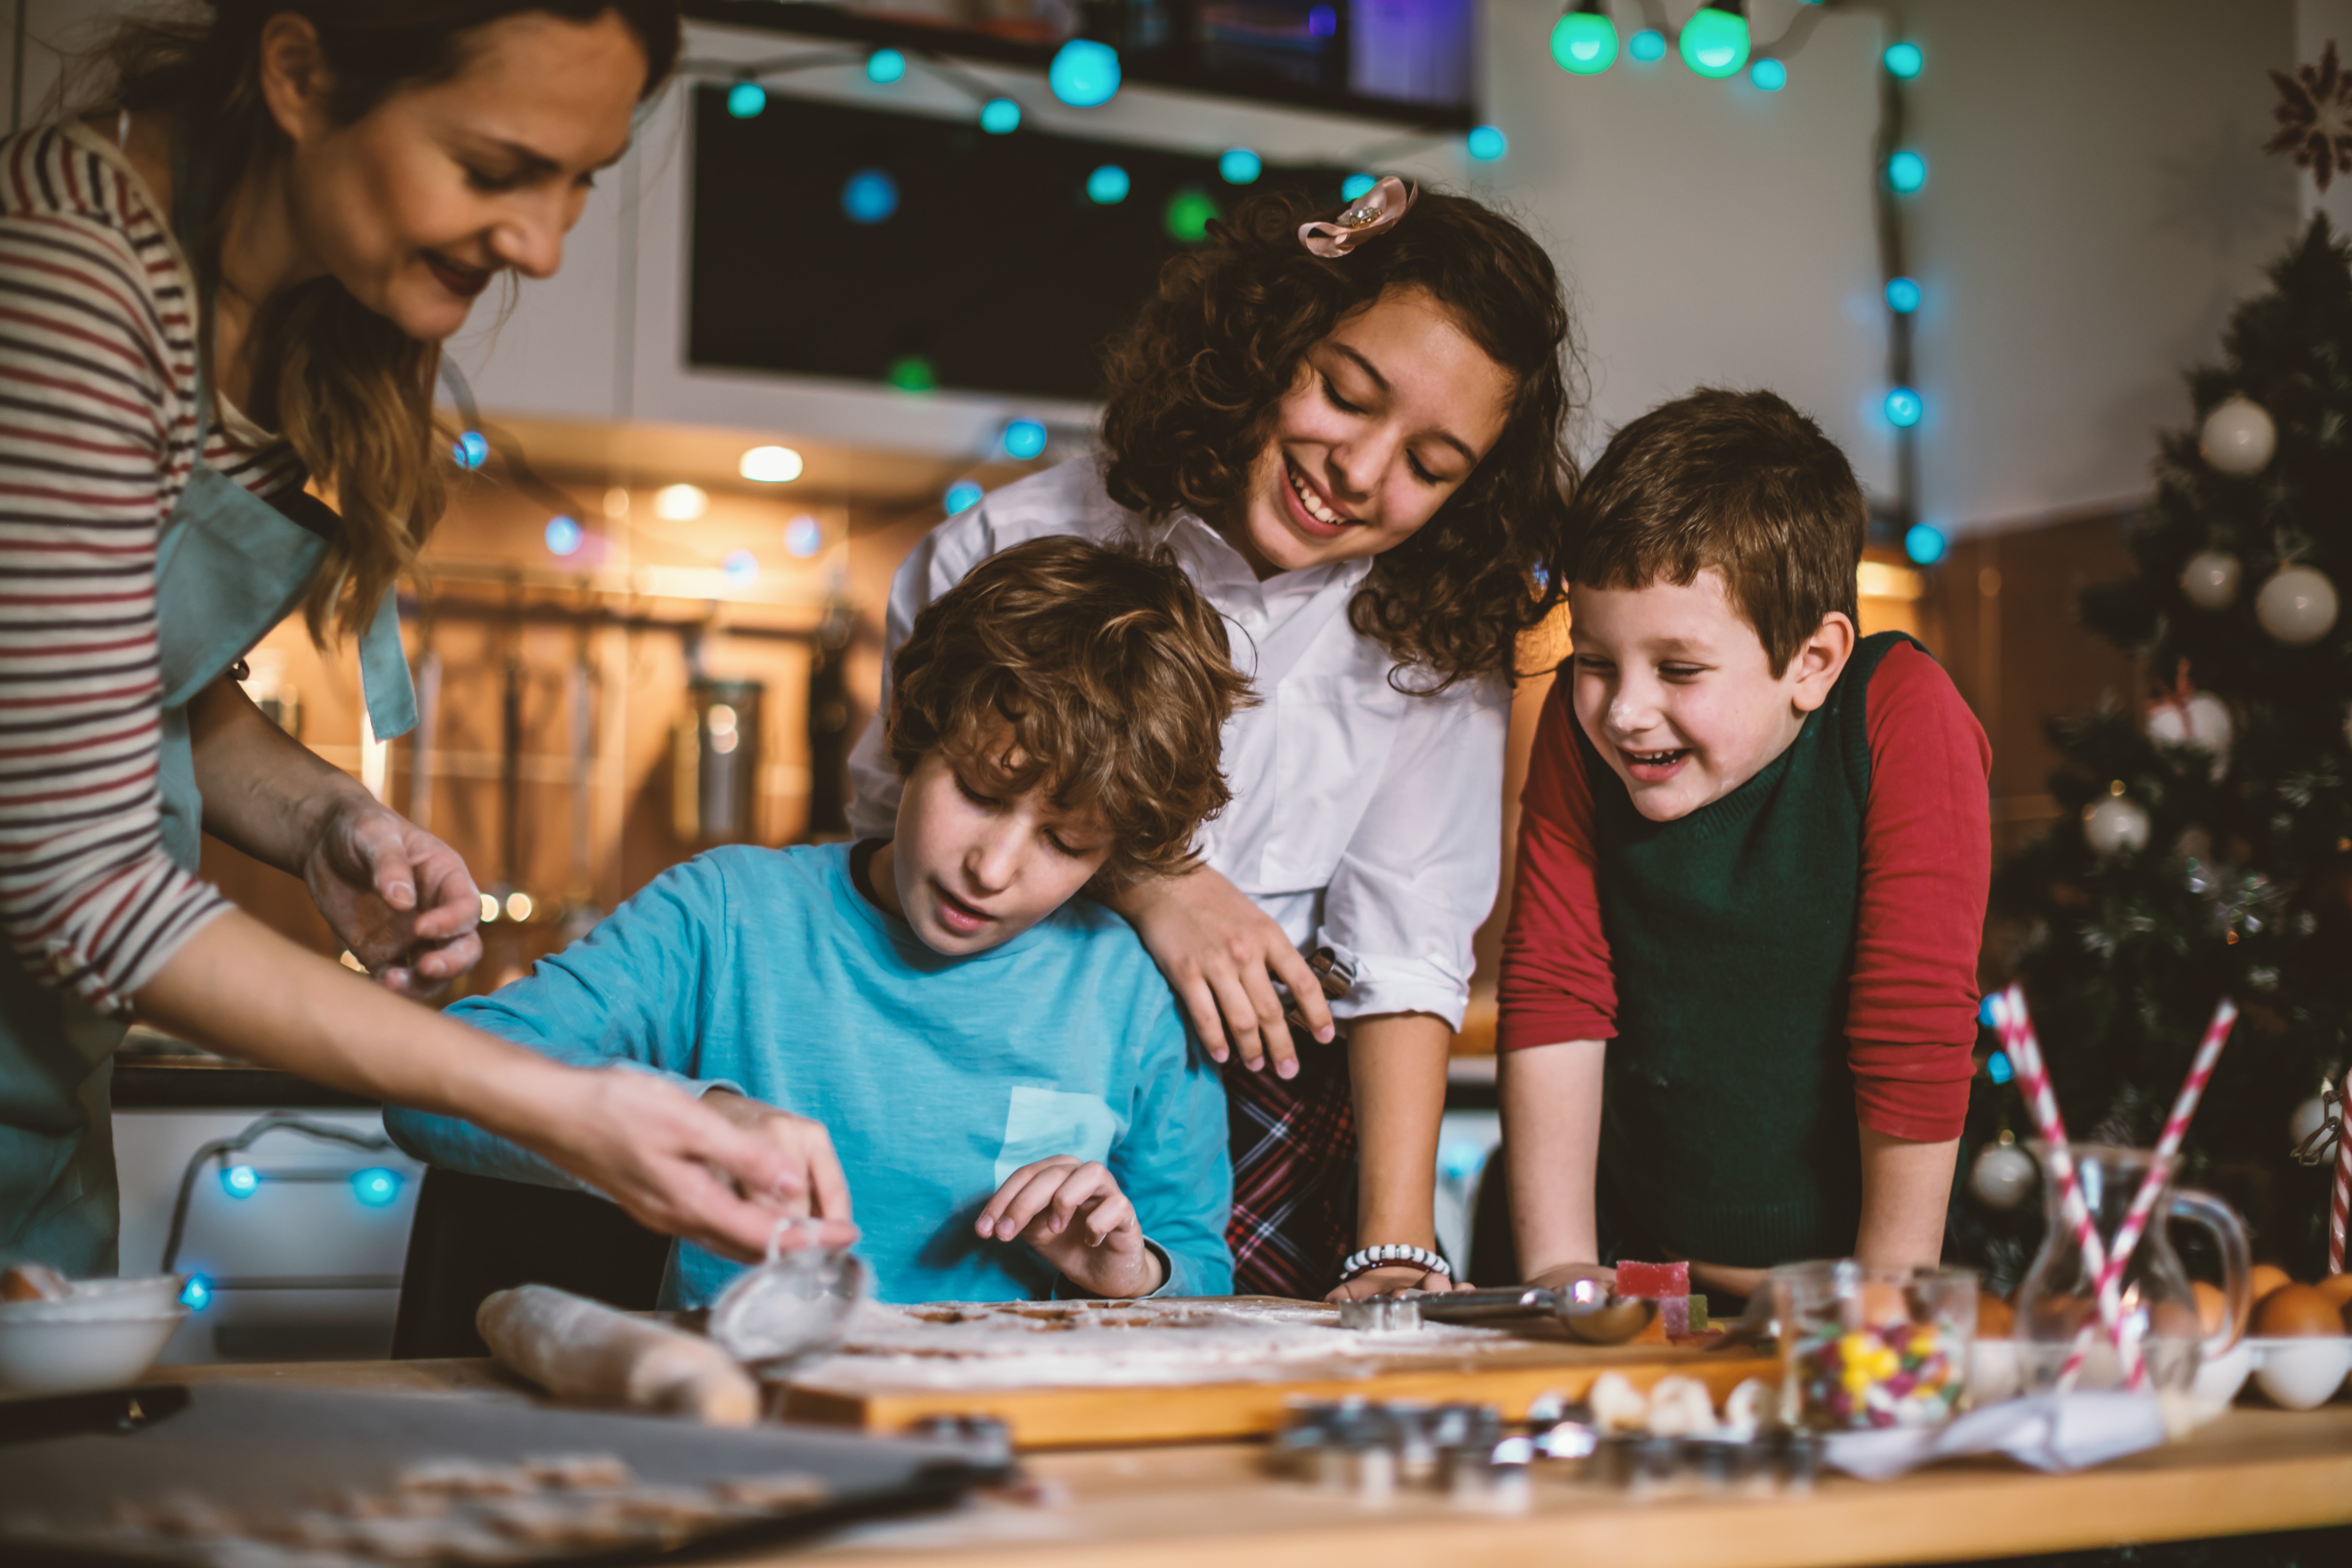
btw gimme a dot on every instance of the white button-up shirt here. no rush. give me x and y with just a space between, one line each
1363 819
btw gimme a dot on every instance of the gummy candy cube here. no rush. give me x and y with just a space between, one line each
1654 1281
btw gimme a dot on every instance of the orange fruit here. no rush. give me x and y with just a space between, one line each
2267 1277
1996 1318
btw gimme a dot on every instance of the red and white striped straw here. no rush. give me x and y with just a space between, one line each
2151 1185
2033 1079
2340 1204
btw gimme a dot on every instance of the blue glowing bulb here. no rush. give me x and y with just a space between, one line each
803 536
869 195
1998 1068
1903 295
1925 544
1322 22
1000 117
962 496
742 568
1488 142
1768 76
1355 185
1989 1011
376 1186
240 1181
884 66
1903 60
471 450
562 535
1647 45
745 99
1084 73
1906 171
196 1294
1108 186
1240 166
1025 440
1904 407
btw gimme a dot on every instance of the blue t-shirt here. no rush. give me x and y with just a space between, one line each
767 971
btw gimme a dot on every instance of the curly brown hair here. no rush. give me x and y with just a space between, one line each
1096 672
1194 385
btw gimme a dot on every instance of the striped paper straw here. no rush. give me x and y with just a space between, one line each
2341 1202
2033 1080
2151 1187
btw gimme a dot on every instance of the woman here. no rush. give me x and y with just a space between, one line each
1350 432
236 275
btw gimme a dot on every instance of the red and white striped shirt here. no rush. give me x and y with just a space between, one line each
98 425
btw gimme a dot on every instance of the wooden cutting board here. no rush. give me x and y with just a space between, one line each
1079 1373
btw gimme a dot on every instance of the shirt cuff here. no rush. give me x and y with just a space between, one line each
1566 1020
1915 1091
1399 985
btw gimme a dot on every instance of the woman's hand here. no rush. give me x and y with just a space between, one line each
1222 954
399 899
1402 1277
1072 1214
807 1149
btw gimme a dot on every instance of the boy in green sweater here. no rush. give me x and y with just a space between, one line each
1739 991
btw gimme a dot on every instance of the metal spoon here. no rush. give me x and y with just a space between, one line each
1587 1308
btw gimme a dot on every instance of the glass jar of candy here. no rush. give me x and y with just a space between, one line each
1864 1347
2058 1316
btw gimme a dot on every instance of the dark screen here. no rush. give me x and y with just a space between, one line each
996 271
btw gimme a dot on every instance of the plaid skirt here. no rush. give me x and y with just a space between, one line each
1294 1148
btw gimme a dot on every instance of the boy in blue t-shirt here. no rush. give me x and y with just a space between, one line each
1004 1074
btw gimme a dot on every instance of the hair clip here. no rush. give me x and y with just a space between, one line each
1375 212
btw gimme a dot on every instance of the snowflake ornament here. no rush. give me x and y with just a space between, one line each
2314 118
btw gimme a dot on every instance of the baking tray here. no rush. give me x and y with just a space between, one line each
73 1471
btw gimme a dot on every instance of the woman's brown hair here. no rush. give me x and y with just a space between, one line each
351 392
1194 385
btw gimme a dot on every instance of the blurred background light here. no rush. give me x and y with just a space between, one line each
742 568
1355 185
1647 45
1906 171
1084 73
869 195
1025 440
1904 407
771 465
1903 295
1714 42
1925 544
1188 216
1108 186
376 1186
1000 117
1240 166
1768 76
745 99
1584 41
1488 142
563 535
803 536
962 496
884 66
1903 60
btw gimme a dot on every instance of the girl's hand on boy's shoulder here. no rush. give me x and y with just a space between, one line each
1072 1213
806 1145
1221 955
1383 1281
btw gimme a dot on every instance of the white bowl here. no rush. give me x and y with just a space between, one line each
63 1355
1992 1372
2219 1380
2301 1374
93 1299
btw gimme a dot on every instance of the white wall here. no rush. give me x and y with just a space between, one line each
2096 202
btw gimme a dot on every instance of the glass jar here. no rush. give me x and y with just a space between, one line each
1864 1347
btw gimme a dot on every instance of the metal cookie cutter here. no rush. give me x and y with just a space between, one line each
796 1305
1586 1308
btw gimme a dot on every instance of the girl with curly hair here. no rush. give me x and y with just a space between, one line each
1350 433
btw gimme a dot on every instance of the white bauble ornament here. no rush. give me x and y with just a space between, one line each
2297 606
2202 721
2210 580
2237 437
2001 1176
2114 825
2304 1124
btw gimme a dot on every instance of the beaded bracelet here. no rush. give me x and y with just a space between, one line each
1372 1258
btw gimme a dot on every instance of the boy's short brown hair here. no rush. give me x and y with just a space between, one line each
1095 671
1737 480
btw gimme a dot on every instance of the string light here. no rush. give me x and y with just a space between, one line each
1903 295
962 496
1488 142
1188 216
1240 166
1768 76
1322 22
1084 73
747 99
771 465
803 536
240 1181
1903 60
519 905
471 450
1584 40
912 373
1355 185
885 67
869 195
376 1186
563 535
1924 544
1904 407
1715 41
196 1294
1000 117
1906 171
1108 186
1647 46
1025 440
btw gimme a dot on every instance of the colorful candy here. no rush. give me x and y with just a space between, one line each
1885 1374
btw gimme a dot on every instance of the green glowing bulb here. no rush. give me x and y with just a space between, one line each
1584 42
1714 43
912 374
1188 216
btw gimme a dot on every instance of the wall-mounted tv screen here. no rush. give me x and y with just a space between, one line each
924 253
1413 60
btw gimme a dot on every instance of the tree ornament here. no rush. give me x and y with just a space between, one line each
2210 580
2003 1173
2315 117
2200 720
2115 825
2297 606
2237 437
2304 1125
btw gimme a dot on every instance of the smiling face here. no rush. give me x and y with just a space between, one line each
1675 691
974 865
419 203
1389 417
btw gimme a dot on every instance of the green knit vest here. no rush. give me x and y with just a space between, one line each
1728 1122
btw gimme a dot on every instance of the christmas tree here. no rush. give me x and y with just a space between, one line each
2204 842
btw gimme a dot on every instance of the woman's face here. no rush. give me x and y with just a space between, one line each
1390 416
416 206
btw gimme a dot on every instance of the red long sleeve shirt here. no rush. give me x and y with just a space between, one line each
1927 867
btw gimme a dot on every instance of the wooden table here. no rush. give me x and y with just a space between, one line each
2253 1470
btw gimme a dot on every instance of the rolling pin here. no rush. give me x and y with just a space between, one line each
582 1349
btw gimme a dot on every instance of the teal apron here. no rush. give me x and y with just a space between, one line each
229 565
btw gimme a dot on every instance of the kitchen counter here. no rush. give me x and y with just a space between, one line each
2253 1470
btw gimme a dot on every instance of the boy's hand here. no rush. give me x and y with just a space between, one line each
1072 1213
808 1149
